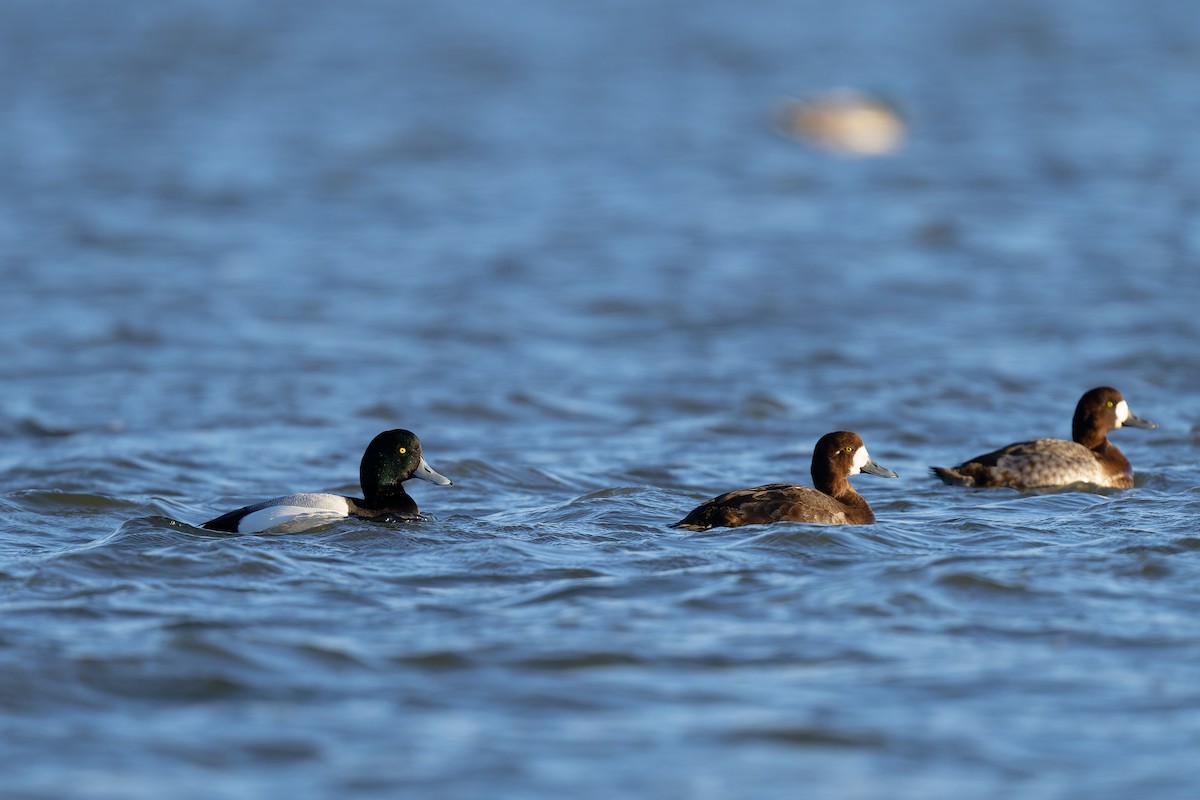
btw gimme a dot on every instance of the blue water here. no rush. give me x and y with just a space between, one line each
566 245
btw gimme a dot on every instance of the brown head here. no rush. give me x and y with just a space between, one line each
838 455
1099 411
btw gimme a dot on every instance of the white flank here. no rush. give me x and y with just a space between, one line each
304 512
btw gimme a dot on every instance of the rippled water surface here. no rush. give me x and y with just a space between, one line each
566 246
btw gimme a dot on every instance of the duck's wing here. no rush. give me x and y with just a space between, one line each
289 514
774 502
1037 463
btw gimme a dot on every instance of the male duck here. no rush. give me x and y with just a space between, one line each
391 458
1046 463
833 501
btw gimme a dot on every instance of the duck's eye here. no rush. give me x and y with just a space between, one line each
849 449
1109 404
404 450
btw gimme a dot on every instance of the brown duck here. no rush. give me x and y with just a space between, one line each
833 502
1046 463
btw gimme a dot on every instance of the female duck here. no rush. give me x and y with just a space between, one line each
1046 463
391 458
833 501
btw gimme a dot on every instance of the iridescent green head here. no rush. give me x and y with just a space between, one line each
391 458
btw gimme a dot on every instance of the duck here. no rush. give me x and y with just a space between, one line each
1090 458
391 458
830 501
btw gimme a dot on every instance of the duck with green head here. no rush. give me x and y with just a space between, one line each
391 458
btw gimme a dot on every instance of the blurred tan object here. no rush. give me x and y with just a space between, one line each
843 121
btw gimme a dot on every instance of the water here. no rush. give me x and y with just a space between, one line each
564 246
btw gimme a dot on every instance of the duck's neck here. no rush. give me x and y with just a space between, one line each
390 498
1089 433
837 487
1109 453
846 495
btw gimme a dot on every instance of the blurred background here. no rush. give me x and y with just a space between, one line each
606 260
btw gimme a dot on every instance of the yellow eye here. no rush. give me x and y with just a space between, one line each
402 450
849 449
1109 404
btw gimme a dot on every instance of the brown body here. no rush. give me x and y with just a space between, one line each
1045 463
833 501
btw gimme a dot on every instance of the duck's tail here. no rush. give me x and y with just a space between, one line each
952 477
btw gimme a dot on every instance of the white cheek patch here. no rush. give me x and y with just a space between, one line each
1122 411
861 459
